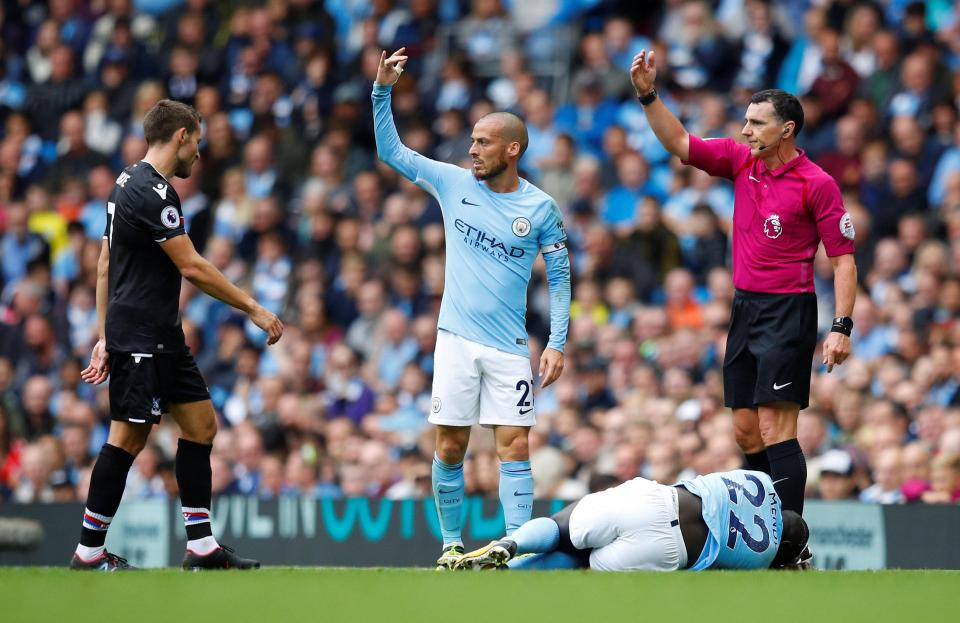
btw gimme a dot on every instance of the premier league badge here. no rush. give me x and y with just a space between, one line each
772 227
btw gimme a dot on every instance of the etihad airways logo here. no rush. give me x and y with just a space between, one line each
482 241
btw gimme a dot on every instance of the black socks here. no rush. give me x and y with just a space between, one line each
107 481
788 469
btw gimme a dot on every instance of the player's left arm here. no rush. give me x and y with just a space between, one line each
553 245
836 348
835 228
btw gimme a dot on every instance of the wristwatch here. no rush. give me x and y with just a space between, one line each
842 324
649 98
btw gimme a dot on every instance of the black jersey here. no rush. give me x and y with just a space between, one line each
144 292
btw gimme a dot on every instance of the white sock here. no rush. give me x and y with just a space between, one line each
203 546
88 554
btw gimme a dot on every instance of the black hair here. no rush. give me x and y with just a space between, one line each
785 106
794 539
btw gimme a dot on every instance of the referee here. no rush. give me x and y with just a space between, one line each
144 256
784 205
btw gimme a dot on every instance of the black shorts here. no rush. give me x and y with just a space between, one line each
142 385
770 349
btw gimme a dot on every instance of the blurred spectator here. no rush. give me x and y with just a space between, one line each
861 24
682 309
837 82
698 55
588 116
35 472
75 159
944 480
844 164
597 63
347 395
54 95
762 49
484 33
836 480
652 240
541 128
887 479
803 61
19 245
879 85
633 175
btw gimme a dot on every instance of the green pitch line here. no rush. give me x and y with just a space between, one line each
392 595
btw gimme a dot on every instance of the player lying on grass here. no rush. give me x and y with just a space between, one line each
727 520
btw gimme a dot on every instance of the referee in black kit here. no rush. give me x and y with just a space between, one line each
142 347
784 206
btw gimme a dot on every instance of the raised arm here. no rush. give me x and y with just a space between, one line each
413 166
201 273
670 132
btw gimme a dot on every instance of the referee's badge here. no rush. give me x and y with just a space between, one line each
846 226
170 217
772 227
521 226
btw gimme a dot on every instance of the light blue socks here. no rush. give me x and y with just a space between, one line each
546 562
516 493
537 536
448 495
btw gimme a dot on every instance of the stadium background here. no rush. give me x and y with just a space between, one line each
289 201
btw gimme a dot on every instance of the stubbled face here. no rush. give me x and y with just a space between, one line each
187 154
762 128
488 150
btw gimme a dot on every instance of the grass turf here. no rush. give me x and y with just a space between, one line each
390 595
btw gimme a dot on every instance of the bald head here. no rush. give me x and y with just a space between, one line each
510 128
498 141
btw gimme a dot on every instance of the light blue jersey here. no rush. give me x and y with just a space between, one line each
742 512
492 240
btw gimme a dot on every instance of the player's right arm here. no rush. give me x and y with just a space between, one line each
201 273
670 132
99 368
417 168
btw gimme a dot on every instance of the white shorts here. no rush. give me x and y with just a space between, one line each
632 527
473 383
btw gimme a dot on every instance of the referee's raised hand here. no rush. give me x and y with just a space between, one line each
643 72
269 322
390 68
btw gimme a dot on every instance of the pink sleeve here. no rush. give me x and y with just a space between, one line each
833 221
721 157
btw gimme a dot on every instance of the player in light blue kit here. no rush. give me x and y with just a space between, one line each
727 520
496 223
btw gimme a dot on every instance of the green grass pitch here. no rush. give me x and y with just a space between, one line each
297 595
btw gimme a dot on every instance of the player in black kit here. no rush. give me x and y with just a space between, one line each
141 347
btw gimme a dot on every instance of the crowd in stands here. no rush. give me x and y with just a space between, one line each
289 201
